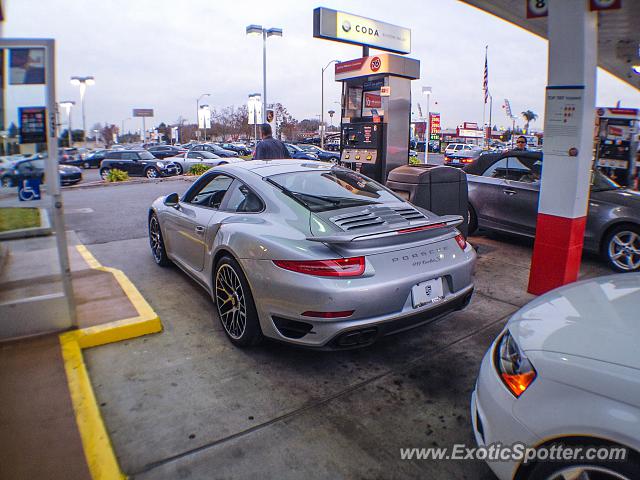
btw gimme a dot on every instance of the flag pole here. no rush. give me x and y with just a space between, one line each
485 90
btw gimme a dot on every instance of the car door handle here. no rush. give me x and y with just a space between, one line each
199 229
509 191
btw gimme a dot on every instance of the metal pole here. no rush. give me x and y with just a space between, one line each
264 75
69 131
428 129
144 131
322 112
83 87
490 111
53 184
198 118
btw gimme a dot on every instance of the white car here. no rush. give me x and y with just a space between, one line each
565 372
185 161
457 148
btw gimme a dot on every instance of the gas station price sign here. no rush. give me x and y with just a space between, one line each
33 124
434 126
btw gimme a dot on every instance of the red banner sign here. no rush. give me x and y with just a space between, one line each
350 66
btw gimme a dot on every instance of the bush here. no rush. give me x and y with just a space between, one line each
198 169
414 161
116 175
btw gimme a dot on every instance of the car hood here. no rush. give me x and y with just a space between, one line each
596 318
621 196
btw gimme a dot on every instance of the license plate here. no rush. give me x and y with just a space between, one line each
427 292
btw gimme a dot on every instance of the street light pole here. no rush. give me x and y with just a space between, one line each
67 107
265 32
198 111
427 91
124 120
82 82
322 104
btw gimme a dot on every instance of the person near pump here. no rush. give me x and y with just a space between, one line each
269 148
521 143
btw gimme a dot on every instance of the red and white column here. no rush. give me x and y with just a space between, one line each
568 144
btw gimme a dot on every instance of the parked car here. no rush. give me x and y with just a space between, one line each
324 155
93 159
73 156
34 167
298 153
164 151
565 372
7 163
456 147
138 163
234 147
462 157
185 161
213 148
503 195
311 253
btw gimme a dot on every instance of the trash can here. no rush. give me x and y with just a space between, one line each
439 189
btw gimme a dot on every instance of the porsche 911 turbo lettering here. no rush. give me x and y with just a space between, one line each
311 253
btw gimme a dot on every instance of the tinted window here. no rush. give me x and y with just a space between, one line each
497 170
212 192
129 156
114 155
321 190
145 156
520 172
194 155
243 200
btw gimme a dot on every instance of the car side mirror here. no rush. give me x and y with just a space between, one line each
172 200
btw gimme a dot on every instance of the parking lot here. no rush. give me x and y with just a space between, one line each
187 404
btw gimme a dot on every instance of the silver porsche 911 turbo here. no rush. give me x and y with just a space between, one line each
311 253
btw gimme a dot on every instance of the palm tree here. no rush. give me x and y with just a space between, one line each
529 116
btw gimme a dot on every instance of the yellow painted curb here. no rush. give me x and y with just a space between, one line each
98 451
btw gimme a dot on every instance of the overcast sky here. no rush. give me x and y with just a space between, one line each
163 54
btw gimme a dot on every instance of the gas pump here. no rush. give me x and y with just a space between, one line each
376 110
617 143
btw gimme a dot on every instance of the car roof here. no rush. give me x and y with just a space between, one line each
266 168
484 161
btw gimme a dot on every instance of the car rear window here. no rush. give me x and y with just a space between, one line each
322 190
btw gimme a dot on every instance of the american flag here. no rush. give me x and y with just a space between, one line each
485 83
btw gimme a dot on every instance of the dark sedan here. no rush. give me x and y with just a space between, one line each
215 149
503 195
234 147
462 158
34 167
164 151
324 155
298 153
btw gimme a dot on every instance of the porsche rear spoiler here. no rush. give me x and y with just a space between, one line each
348 237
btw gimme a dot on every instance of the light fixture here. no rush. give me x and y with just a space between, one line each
255 30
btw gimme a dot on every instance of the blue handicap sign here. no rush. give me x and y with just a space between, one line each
29 189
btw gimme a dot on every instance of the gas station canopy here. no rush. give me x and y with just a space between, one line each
618 32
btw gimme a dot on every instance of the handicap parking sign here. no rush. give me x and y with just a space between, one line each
29 189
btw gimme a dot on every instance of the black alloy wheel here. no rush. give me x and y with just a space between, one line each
236 308
156 242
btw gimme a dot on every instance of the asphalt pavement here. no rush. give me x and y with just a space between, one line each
187 404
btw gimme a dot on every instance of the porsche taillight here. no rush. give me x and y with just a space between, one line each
341 267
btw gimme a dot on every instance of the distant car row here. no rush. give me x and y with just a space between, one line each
13 174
